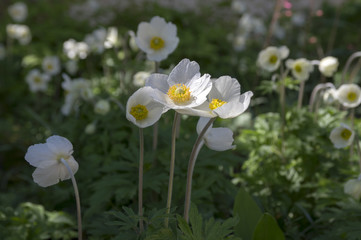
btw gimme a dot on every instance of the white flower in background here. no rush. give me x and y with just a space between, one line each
238 6
157 39
301 68
132 43
71 67
19 32
112 38
248 23
18 11
328 66
74 49
139 78
224 100
2 51
51 65
239 42
96 40
184 88
37 81
349 95
217 139
353 187
90 128
270 58
102 107
46 157
329 96
142 110
342 136
299 19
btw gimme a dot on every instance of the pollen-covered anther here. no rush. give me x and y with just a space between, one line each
179 93
273 59
156 43
139 112
346 134
351 96
298 68
216 103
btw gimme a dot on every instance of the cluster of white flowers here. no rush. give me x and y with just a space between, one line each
100 39
74 49
19 32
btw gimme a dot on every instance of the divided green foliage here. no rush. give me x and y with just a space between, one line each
267 228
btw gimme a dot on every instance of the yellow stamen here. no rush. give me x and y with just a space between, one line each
156 43
351 96
273 59
179 93
298 68
216 103
37 79
139 112
50 67
346 134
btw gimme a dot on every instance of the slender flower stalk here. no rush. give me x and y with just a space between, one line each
357 142
77 198
191 164
140 183
155 126
300 94
172 164
316 90
348 63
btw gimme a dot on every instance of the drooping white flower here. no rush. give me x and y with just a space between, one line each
353 187
329 96
2 51
328 66
301 68
37 81
224 100
142 110
342 136
157 39
51 65
217 139
270 58
102 107
19 32
46 157
139 78
18 11
74 49
71 66
112 38
184 88
349 95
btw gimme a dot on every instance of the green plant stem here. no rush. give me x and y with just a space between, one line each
140 183
77 198
155 126
192 160
171 168
300 94
283 113
348 63
358 150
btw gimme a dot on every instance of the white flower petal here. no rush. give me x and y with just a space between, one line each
46 177
184 72
219 139
158 81
59 145
38 153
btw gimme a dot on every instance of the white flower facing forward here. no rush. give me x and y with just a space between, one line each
301 68
46 157
328 66
19 32
349 95
183 89
102 107
51 65
342 136
142 110
37 81
157 39
217 139
18 11
270 58
224 100
353 187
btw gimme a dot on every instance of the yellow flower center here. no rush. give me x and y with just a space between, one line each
139 112
351 96
156 43
346 134
273 59
216 103
37 79
179 93
298 68
49 66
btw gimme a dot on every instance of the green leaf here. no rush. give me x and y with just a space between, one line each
267 228
248 213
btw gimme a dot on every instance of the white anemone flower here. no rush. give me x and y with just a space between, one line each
18 11
51 65
217 139
353 187
46 157
157 39
19 32
37 81
102 107
328 66
330 95
349 95
184 88
139 78
112 38
142 110
74 49
96 40
224 100
301 68
342 136
71 67
270 58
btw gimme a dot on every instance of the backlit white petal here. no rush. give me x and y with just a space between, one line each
38 153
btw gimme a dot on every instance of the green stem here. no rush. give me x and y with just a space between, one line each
140 183
356 140
155 126
192 160
171 168
300 94
77 198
